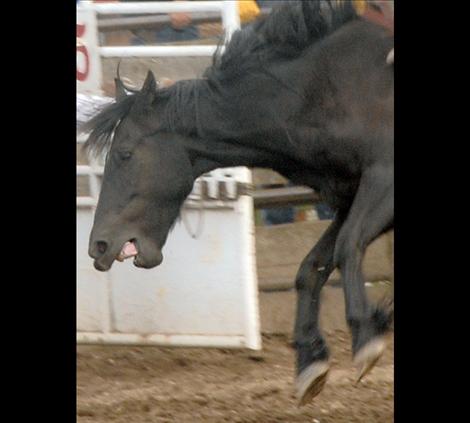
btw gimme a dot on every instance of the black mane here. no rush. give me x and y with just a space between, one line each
282 35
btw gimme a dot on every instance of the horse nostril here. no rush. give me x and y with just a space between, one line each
97 249
101 246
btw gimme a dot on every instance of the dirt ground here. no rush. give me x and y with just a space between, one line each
150 384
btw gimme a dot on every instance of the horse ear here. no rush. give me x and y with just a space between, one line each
150 84
120 89
146 94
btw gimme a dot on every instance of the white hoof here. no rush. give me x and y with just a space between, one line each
311 381
367 356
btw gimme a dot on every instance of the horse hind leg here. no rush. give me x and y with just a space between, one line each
371 214
312 352
367 356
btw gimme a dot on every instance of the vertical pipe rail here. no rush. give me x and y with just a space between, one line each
230 18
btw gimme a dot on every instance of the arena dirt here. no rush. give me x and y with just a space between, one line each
150 384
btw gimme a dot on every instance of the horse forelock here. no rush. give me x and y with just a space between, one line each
102 126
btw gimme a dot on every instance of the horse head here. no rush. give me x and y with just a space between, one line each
147 176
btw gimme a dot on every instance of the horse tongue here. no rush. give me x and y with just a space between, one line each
128 250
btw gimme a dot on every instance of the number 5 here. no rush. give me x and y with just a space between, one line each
81 49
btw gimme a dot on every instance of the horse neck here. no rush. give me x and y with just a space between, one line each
210 154
217 133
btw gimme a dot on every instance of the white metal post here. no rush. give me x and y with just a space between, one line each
230 17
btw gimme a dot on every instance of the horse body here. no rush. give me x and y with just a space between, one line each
308 93
329 119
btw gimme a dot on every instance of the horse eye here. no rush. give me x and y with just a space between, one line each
125 155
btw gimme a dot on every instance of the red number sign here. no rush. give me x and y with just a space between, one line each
82 74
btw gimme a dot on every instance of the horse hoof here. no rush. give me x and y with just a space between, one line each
367 356
311 381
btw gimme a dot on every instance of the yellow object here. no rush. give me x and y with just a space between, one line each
359 5
248 10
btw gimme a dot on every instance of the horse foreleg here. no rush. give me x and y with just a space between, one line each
312 352
371 214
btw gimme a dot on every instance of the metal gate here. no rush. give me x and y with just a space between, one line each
205 291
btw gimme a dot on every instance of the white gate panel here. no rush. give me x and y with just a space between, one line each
195 279
203 294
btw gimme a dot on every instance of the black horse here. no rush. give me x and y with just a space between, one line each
306 91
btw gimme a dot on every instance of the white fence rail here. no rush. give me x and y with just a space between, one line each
158 51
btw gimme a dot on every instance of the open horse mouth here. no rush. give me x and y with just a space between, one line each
104 257
128 250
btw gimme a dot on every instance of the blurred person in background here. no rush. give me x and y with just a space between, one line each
180 28
278 215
